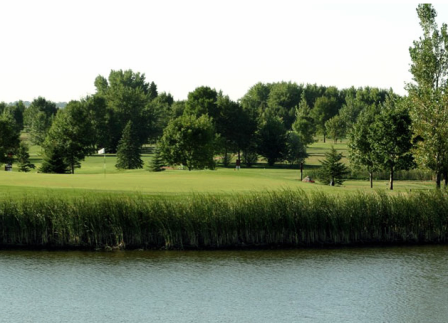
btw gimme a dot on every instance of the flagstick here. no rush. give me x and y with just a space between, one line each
104 165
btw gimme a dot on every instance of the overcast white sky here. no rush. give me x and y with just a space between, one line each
56 48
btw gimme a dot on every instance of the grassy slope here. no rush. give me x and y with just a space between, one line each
224 181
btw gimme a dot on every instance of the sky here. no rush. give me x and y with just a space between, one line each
56 49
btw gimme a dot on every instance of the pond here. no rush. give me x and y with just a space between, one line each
396 284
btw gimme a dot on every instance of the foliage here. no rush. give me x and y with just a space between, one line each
283 98
54 161
428 94
271 138
161 113
23 158
361 150
235 125
250 156
390 137
38 118
333 170
68 138
127 96
157 163
296 150
336 128
189 140
324 109
203 100
304 124
350 111
9 139
16 111
129 149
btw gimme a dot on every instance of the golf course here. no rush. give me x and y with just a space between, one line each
98 175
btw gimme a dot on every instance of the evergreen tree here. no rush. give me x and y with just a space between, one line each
156 164
304 125
23 158
129 149
54 161
333 170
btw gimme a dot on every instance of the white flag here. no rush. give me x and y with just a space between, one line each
101 151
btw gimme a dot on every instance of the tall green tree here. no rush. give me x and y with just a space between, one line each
129 149
428 94
53 161
295 149
203 100
38 118
235 125
283 98
16 111
390 138
336 127
127 96
9 139
324 109
161 112
256 98
361 150
304 124
271 138
69 138
190 141
23 158
333 170
156 164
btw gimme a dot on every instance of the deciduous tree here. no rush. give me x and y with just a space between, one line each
38 118
390 138
271 138
190 141
428 94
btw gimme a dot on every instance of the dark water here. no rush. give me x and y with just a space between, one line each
349 285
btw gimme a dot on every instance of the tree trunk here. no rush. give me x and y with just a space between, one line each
226 158
438 179
371 179
391 180
445 176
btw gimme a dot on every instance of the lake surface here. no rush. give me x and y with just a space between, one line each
399 284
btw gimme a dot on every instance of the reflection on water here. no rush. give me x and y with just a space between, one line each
343 285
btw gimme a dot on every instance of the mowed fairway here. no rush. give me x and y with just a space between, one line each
223 181
99 176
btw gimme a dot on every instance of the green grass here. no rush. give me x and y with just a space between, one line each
223 208
93 178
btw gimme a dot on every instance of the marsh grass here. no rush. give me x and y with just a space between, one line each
287 218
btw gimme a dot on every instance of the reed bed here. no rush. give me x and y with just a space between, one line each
271 219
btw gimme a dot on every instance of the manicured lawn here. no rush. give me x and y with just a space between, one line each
99 176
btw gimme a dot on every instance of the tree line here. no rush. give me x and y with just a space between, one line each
274 120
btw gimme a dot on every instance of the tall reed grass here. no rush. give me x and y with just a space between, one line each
270 219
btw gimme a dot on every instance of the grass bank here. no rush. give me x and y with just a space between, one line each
285 218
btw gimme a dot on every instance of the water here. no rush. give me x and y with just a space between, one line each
344 285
